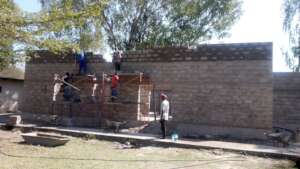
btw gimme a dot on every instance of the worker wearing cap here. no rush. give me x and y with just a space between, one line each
164 114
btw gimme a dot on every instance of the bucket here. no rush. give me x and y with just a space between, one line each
174 137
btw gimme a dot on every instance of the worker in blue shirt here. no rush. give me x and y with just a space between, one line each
82 63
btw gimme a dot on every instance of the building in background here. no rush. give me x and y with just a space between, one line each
11 86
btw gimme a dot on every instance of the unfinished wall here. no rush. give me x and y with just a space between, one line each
214 89
286 100
222 89
38 88
133 99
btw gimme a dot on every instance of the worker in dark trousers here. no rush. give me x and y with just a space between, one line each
117 58
82 64
66 78
164 114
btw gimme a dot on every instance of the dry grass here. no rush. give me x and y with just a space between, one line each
94 154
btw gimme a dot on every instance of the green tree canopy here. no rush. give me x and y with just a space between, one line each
125 24
20 31
136 24
291 24
86 33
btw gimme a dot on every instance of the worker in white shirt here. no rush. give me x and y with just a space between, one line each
164 114
94 88
57 85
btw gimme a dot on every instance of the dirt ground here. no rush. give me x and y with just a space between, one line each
94 154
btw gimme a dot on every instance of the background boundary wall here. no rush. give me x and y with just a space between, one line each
286 100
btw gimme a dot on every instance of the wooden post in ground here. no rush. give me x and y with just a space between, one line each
154 102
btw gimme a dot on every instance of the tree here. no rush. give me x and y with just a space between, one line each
9 32
20 32
138 24
291 24
87 32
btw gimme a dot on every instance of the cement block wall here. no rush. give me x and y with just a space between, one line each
232 94
286 100
223 86
223 89
38 86
132 101
38 89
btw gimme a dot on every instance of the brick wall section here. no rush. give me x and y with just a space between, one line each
213 52
286 100
227 85
120 111
46 57
215 85
39 90
229 94
38 86
132 98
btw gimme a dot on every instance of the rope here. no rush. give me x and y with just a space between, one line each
115 160
210 162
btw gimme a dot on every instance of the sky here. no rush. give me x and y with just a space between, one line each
261 22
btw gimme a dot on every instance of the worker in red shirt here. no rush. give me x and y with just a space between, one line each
114 85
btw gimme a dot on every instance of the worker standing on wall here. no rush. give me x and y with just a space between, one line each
117 58
82 63
114 85
164 114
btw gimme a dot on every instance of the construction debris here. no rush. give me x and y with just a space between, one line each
114 125
44 139
278 138
126 145
14 120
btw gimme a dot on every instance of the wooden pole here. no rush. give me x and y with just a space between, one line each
154 100
102 92
141 77
74 87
